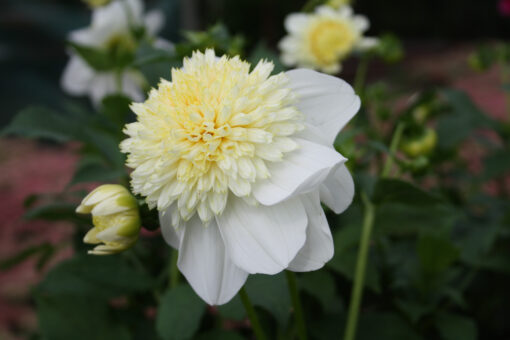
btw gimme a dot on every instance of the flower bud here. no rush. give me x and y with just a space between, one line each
97 3
115 217
337 3
421 145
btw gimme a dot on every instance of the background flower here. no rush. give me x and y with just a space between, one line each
321 40
115 30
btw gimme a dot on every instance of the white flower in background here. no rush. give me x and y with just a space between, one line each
236 163
111 28
115 217
321 40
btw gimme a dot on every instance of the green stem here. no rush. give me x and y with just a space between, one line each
252 315
395 141
296 304
118 80
359 275
361 74
174 270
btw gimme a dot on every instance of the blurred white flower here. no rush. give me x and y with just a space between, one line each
321 40
115 217
112 28
237 162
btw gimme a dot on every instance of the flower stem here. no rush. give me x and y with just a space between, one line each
361 74
252 315
174 270
296 304
359 275
395 141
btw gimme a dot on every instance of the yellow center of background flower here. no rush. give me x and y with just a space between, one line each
208 133
330 40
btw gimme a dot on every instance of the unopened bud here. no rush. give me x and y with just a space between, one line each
115 217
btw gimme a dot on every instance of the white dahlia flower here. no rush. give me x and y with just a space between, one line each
237 163
111 28
321 40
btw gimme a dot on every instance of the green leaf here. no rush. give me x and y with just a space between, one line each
56 211
400 219
179 313
94 169
464 119
98 59
260 52
271 293
63 317
497 164
455 327
385 326
436 253
37 122
149 54
219 334
116 107
393 190
321 285
346 241
37 250
107 276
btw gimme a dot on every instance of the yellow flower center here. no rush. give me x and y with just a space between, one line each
330 40
209 132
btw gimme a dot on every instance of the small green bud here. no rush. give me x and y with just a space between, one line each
337 3
115 217
96 3
421 145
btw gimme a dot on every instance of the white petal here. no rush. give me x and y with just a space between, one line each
86 37
318 248
170 234
263 239
337 191
300 171
77 76
154 21
204 262
367 43
326 101
361 23
296 22
103 84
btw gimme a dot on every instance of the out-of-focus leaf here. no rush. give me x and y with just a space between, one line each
270 292
37 250
56 211
414 310
179 313
219 334
389 48
321 285
497 164
400 219
436 253
385 326
107 276
262 52
149 54
37 122
234 309
98 59
94 169
64 317
464 119
455 327
397 191
116 107
346 242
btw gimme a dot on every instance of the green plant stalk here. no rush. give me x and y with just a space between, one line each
296 304
252 315
174 270
359 275
395 141
361 75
